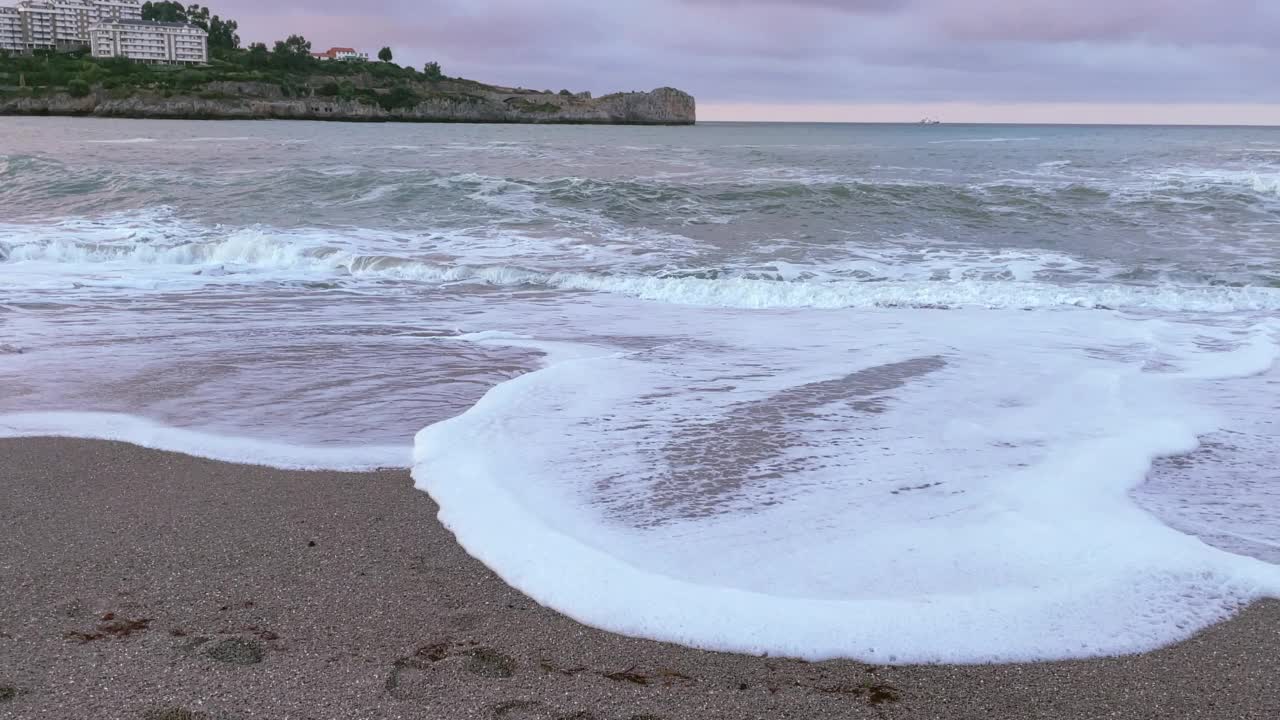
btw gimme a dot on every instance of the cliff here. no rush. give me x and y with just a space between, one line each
448 101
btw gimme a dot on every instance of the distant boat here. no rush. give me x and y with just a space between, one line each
930 121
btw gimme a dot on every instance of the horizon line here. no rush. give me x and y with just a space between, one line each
989 122
1000 113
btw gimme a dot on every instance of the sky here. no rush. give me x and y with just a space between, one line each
1141 61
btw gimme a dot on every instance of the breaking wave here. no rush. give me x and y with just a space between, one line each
249 256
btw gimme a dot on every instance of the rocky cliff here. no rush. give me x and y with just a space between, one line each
471 102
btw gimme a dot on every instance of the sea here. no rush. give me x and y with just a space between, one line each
899 393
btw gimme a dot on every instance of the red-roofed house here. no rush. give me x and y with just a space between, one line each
340 53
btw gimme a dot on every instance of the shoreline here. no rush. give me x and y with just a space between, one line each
264 101
330 119
144 581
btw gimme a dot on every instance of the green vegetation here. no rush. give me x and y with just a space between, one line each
222 33
284 69
288 66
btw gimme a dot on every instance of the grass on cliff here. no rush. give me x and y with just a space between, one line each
385 85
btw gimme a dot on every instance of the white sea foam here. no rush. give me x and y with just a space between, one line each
374 195
216 138
766 294
253 451
123 141
758 436
789 485
1266 184
983 140
966 283
1264 181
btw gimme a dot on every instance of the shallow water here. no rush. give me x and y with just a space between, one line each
947 393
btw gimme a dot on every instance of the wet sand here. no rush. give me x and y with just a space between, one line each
153 586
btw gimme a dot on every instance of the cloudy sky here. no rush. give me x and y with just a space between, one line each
993 60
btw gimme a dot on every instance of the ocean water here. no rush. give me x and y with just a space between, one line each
899 393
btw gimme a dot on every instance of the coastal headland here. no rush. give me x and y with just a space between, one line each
290 81
443 101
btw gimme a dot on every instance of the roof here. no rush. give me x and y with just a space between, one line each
151 23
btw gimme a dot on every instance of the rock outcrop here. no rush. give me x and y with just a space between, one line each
461 103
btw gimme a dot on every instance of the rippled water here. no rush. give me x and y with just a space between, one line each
902 393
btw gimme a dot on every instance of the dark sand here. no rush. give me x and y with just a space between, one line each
148 585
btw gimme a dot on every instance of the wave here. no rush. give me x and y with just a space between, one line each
123 141
249 252
747 191
1262 182
146 433
751 522
1048 193
984 140
1266 184
217 138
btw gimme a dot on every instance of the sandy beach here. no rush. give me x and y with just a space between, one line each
149 585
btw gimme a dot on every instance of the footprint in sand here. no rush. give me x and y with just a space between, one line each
487 662
237 651
433 662
174 713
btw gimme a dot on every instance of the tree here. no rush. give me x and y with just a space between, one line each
164 12
432 71
385 54
259 55
292 53
78 87
222 33
294 45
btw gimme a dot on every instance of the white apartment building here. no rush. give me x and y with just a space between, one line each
155 42
10 29
58 24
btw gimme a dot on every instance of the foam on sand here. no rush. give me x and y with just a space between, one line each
250 451
806 485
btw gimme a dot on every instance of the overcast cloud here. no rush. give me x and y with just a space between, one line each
821 51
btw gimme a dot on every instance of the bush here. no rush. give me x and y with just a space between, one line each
78 87
190 79
400 97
